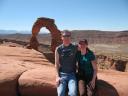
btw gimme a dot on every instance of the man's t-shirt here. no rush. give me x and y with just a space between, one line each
67 58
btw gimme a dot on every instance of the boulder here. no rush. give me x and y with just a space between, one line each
112 83
38 82
9 74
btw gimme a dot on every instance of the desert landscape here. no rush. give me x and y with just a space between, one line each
27 72
30 31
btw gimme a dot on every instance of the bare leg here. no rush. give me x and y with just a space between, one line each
82 88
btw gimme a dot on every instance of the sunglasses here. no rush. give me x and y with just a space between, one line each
66 36
82 43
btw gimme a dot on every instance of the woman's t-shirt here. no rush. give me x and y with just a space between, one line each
84 62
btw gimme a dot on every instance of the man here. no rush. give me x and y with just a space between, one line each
65 64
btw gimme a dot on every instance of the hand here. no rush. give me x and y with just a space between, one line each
57 81
92 83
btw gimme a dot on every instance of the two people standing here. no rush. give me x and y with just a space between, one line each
66 57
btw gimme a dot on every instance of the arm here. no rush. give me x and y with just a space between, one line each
94 65
57 66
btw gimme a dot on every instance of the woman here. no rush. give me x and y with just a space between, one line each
87 69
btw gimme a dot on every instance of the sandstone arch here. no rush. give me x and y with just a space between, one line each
50 25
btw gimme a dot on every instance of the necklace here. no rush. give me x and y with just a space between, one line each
84 58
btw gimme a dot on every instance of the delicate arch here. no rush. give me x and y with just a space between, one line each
49 24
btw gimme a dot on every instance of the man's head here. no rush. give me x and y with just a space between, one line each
66 37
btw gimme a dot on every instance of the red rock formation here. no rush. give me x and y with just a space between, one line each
26 72
106 62
49 24
38 82
9 74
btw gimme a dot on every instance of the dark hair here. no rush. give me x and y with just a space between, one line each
83 40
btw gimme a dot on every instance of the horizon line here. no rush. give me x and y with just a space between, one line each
64 30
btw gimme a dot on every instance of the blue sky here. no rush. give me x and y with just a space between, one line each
68 14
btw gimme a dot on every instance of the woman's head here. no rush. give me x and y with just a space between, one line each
83 44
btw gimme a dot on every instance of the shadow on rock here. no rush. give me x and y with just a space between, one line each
38 91
50 57
46 51
105 89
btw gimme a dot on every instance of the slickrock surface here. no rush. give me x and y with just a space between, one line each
25 72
